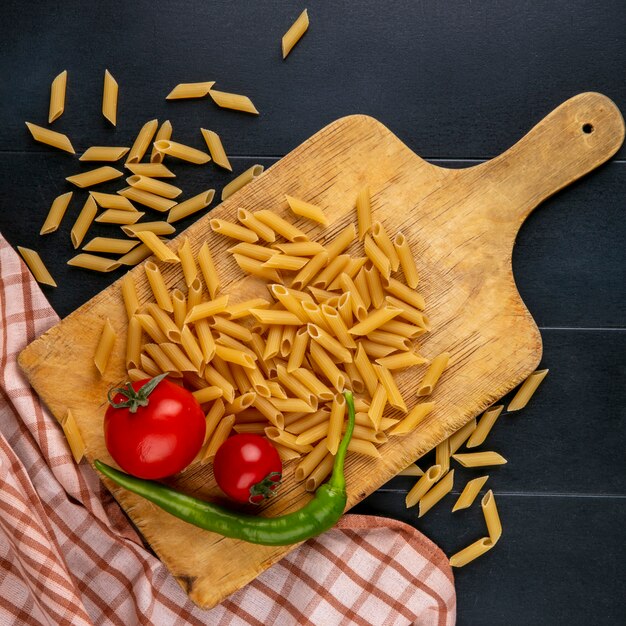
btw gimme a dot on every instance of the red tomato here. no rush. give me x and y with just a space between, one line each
153 433
247 468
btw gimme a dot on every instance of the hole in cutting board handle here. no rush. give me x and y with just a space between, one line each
587 128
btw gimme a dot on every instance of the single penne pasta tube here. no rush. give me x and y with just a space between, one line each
129 295
394 397
433 374
378 258
94 262
142 141
241 181
374 285
287 339
358 306
181 362
164 321
136 255
329 343
149 366
275 317
181 151
164 133
241 403
119 216
248 220
103 153
135 374
300 248
335 423
162 361
294 385
190 90
353 378
56 213
364 212
320 473
94 177
104 348
109 98
421 487
310 380
407 262
307 210
473 551
259 385
207 309
270 412
311 461
151 328
251 428
404 293
411 470
276 390
73 436
479 459
401 360
281 226
413 419
458 438
374 320
310 270
526 390
286 439
194 293
352 269
238 373
234 356
57 97
272 344
50 138
326 365
442 455
220 435
366 433
360 282
192 348
112 201
153 170
436 493
286 454
332 270
321 296
492 519
337 327
158 287
289 301
158 228
298 349
233 101
284 262
295 32
484 426
344 307
234 231
364 365
313 434
151 200
366 448
341 242
155 186
305 421
213 418
376 350
242 309
256 268
162 252
293 405
402 328
233 329
109 245
213 377
194 381
379 401
383 241
469 493
361 404
207 267
216 149
179 302
253 250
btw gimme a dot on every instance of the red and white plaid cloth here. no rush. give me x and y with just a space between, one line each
69 555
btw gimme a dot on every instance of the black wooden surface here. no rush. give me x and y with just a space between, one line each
458 82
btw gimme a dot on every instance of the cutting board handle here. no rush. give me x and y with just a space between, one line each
578 136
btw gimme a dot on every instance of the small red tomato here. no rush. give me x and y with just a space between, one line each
247 468
153 428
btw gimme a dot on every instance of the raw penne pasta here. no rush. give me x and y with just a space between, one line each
83 221
142 141
374 286
436 493
341 242
329 343
205 339
286 297
233 329
307 210
158 228
458 438
270 316
414 417
402 328
310 380
161 251
129 295
310 270
364 212
473 551
104 348
57 97
402 360
300 248
352 268
433 374
136 374
313 434
253 250
50 138
133 344
192 205
234 231
251 222
337 327
286 454
360 282
413 315
382 240
159 288
492 519
411 470
164 321
287 339
307 421
163 134
207 394
358 306
378 258
103 153
298 349
258 384
327 367
252 428
207 267
484 426
109 98
286 439
295 32
320 473
242 309
162 361
151 328
109 245
394 397
190 90
335 423
216 379
469 493
36 266
240 181
152 185
153 170
276 390
344 306
366 448
213 418
94 177
181 151
376 350
407 262
285 262
295 386
219 436
270 412
207 309
194 293
192 348
311 461
120 217
376 408
366 369
281 226
272 345
149 366
183 364
479 459
56 213
315 315
526 391
442 455
179 302
112 201
374 320
293 405
73 436
188 262
421 487
331 271
214 144
151 200
233 101
404 293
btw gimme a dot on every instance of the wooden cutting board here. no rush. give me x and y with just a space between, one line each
462 226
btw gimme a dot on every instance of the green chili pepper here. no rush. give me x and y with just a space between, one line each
320 514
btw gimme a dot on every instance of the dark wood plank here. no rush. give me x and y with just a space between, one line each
461 80
560 559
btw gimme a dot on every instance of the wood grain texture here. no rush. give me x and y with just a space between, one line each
462 226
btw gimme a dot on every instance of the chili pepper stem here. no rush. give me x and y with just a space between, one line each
337 478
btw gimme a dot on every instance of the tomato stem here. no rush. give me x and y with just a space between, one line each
265 488
134 399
